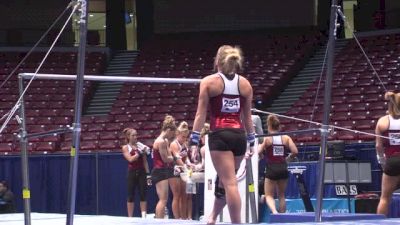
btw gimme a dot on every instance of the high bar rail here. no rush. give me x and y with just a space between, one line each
109 78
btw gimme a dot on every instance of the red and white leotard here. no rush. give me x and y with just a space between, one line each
157 160
276 152
137 164
392 146
225 108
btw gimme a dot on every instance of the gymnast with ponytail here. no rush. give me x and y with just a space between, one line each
274 150
388 150
228 96
136 154
179 148
163 164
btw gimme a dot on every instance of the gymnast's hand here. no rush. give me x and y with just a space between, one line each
251 138
381 157
194 141
143 149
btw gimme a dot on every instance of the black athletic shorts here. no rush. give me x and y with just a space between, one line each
228 139
137 179
159 174
276 171
392 166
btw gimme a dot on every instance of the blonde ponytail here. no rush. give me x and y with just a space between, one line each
394 103
168 123
183 128
229 60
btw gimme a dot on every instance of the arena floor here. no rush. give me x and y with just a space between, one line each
60 219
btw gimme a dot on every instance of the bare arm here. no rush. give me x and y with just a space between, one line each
203 156
175 152
262 147
128 156
164 152
247 92
380 150
145 164
202 105
292 147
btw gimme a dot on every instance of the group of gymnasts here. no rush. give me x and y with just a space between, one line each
227 97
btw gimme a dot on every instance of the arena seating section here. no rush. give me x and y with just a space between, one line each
270 62
49 103
357 94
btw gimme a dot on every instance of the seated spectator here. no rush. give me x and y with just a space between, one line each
6 199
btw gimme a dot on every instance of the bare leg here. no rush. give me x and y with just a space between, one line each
143 208
130 207
225 164
389 185
183 200
162 192
189 206
269 189
175 185
219 204
281 195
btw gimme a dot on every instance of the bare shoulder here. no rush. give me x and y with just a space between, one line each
383 123
243 79
383 119
268 141
210 78
173 145
158 142
124 148
212 84
245 86
286 138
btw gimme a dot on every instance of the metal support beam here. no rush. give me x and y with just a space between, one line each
26 192
327 108
76 132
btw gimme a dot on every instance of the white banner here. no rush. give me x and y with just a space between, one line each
209 185
342 189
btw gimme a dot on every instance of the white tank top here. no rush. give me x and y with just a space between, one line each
231 86
129 148
394 124
277 146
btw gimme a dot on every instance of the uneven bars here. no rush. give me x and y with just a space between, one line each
110 78
289 132
51 132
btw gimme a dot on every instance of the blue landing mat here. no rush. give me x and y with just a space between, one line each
310 217
356 222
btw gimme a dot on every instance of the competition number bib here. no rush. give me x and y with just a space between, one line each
394 138
278 150
230 105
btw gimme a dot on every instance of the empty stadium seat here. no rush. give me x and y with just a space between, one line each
356 89
45 147
111 145
6 147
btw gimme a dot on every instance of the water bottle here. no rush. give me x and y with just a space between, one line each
166 213
190 185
